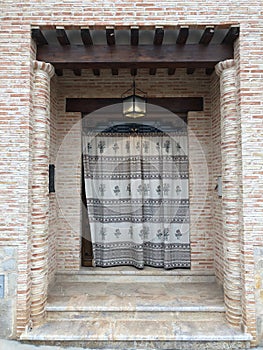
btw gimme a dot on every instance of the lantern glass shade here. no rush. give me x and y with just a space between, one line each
134 106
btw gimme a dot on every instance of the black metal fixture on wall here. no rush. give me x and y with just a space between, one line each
51 178
134 105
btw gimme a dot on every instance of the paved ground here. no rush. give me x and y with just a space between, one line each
13 345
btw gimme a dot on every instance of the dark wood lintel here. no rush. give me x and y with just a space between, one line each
174 104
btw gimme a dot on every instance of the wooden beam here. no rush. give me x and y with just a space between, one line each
110 36
158 36
114 71
174 104
179 104
134 42
183 35
38 36
87 41
96 72
127 56
59 72
157 41
62 36
133 72
77 72
134 36
190 71
231 35
209 71
88 105
207 35
171 71
86 36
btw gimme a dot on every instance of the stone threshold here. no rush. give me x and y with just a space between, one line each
121 331
57 305
129 270
129 274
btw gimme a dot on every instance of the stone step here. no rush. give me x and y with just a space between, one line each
119 307
139 334
85 301
129 315
128 274
117 303
135 297
121 315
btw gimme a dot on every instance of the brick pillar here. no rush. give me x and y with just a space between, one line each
231 193
40 201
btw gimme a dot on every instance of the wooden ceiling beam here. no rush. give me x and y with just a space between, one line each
86 36
134 42
127 56
87 41
134 36
62 36
110 36
38 36
190 71
171 71
114 71
231 35
183 35
133 72
157 41
59 72
209 71
207 35
96 72
77 72
158 36
174 104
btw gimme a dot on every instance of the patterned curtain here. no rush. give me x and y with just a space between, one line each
137 198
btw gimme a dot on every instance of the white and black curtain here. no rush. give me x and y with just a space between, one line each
136 188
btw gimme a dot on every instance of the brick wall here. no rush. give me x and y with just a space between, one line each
53 206
250 94
216 172
202 250
68 188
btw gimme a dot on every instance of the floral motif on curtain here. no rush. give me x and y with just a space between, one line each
137 198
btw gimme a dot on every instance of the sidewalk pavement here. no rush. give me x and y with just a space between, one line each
14 345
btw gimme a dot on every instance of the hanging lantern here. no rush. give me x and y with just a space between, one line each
134 106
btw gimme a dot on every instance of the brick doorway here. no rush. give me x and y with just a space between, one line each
233 309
